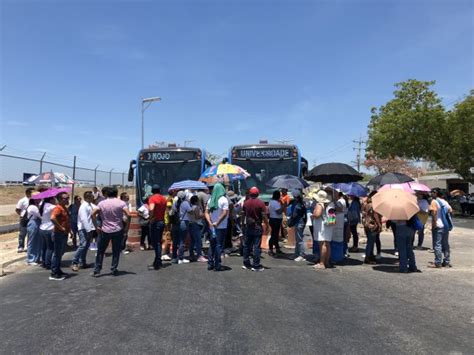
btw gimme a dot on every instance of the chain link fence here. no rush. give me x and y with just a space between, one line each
15 164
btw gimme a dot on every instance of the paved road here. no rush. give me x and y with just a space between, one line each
288 308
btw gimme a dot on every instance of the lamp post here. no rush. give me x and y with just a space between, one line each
145 104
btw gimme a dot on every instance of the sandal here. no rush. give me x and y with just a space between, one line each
319 267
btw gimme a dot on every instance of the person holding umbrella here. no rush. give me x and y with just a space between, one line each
298 220
275 212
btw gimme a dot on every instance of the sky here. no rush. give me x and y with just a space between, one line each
73 73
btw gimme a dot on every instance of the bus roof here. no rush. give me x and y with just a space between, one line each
263 145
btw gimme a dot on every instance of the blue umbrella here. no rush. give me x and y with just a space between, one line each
351 188
188 184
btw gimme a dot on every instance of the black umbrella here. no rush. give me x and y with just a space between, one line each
287 182
389 178
333 172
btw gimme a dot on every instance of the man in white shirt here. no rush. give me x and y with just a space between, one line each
85 228
20 210
439 229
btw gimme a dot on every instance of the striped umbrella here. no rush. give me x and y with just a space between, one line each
188 184
223 173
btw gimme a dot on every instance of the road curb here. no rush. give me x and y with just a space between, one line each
9 262
9 228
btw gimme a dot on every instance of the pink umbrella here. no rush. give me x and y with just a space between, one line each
405 187
50 193
419 187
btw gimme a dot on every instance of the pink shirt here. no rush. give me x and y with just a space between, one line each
111 214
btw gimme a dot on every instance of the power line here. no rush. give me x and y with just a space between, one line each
358 148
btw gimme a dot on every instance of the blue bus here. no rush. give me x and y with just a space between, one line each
164 166
264 161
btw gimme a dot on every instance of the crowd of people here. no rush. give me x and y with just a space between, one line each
221 218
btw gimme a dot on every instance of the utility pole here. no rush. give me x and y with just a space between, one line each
358 148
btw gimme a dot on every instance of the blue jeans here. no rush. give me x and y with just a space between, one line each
48 247
84 243
102 243
404 236
183 232
299 239
215 248
156 234
34 248
253 238
369 249
59 245
195 230
441 237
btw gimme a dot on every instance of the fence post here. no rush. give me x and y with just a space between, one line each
95 175
110 177
73 178
41 163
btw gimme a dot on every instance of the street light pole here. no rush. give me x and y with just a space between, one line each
145 104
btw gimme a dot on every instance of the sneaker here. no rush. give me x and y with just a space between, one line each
115 272
93 246
202 259
445 264
174 261
165 258
300 258
378 257
125 252
396 253
75 267
57 277
346 255
33 263
218 268
210 267
246 267
184 261
142 247
20 250
95 273
258 268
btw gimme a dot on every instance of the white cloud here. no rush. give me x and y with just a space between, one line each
16 123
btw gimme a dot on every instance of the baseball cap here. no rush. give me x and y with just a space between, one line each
254 191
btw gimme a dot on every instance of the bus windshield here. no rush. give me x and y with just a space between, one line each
263 170
165 174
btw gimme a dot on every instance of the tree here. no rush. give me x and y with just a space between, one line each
457 152
415 125
408 126
214 159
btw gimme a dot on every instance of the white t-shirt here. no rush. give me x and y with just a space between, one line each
33 212
46 224
84 217
223 205
273 206
144 211
23 205
439 221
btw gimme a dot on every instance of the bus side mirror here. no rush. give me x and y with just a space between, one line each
133 163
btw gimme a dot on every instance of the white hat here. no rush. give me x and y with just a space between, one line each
322 197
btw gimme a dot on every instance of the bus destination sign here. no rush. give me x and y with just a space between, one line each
169 156
267 153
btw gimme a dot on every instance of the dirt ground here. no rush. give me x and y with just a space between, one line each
9 195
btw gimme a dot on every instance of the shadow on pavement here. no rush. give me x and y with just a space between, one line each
387 268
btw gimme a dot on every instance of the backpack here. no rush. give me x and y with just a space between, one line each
445 216
415 223
294 215
174 214
369 221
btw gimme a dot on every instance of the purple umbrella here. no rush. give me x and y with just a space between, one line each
50 193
